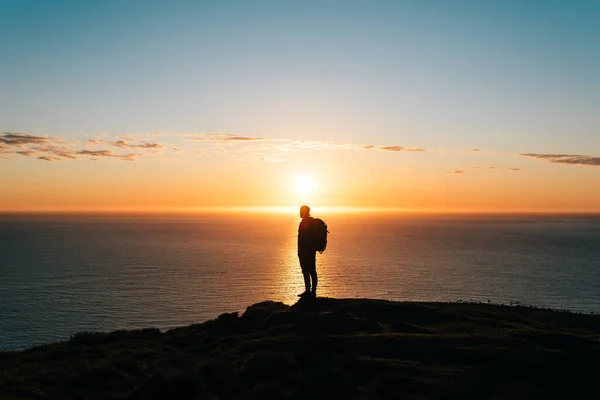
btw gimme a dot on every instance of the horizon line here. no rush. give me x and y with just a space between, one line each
294 210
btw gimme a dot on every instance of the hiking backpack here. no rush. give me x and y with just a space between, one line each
319 228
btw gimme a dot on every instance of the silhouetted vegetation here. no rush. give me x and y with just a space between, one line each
324 348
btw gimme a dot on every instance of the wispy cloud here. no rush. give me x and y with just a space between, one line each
49 148
107 153
219 141
57 151
573 159
48 158
256 148
398 148
278 150
287 145
126 144
19 139
392 148
96 153
26 152
144 145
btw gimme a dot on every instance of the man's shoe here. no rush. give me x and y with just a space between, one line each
303 294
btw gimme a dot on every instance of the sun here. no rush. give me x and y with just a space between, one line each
304 185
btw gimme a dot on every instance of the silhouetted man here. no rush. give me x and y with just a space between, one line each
307 252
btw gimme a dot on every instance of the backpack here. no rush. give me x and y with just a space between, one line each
319 229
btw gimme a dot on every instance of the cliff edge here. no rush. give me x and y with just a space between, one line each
324 348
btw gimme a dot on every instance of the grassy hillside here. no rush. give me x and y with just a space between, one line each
325 348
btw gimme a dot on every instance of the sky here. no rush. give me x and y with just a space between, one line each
423 105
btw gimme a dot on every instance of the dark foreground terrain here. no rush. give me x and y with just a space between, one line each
325 348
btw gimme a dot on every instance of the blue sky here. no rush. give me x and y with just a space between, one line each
509 76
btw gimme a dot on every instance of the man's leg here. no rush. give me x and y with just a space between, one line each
315 280
313 272
307 281
305 273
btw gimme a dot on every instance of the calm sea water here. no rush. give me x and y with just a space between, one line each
64 274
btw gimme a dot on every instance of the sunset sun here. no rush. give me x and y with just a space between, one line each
304 185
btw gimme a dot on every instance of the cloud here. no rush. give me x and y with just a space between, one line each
107 153
572 159
125 145
57 151
26 152
29 145
399 148
96 153
143 145
279 150
48 158
392 148
455 172
253 148
49 148
269 149
128 157
19 139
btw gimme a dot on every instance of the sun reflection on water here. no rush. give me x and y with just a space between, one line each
291 278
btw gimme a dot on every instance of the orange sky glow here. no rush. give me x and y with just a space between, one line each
340 182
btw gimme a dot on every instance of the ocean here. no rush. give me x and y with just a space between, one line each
61 274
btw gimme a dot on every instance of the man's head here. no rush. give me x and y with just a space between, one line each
304 211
